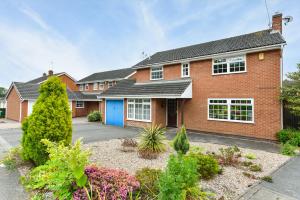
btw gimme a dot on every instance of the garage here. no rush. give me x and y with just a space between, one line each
114 112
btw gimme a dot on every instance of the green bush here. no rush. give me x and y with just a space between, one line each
95 116
288 149
250 156
148 179
63 173
51 119
207 165
289 135
267 179
255 168
151 142
229 155
13 158
181 143
180 180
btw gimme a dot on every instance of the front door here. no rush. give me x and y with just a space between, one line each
172 112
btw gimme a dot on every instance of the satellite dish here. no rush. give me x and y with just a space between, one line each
287 19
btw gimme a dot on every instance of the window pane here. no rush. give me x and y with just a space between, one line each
218 111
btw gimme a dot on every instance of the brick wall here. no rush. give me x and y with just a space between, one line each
13 105
24 108
261 82
69 82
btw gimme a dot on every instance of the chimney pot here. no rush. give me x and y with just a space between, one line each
50 72
277 22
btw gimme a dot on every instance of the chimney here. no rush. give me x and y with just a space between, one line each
277 22
44 74
50 72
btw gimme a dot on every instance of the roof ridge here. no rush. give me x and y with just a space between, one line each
212 41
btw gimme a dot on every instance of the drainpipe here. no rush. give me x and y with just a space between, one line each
182 111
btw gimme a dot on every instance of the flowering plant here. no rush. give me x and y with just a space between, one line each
108 184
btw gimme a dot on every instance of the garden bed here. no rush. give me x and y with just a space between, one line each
230 184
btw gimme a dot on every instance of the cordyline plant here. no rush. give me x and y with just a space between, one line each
290 92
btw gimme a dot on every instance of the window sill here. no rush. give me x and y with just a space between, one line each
79 107
138 120
234 121
228 73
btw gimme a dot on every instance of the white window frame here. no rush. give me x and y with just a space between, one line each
95 86
162 71
81 87
228 65
188 66
101 86
86 86
229 111
144 103
79 106
110 82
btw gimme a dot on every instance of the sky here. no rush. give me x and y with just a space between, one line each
81 37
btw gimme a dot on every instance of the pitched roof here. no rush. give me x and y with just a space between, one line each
42 78
163 89
28 91
241 42
108 75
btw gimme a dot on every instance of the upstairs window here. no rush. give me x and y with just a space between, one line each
185 70
101 86
87 86
156 73
229 65
110 84
81 87
95 86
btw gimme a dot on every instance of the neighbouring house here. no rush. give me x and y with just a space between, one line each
228 86
2 102
97 83
21 97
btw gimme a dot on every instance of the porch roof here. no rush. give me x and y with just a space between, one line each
159 89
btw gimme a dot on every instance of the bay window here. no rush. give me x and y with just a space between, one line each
236 110
139 109
229 65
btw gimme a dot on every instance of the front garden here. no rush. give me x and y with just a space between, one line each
147 168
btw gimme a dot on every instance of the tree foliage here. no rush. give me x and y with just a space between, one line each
2 92
50 119
291 91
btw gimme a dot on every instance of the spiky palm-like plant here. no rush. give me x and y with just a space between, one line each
151 142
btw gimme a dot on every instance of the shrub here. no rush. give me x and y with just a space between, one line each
247 174
207 165
13 158
180 180
288 149
148 179
250 156
151 142
129 144
229 155
107 184
255 168
51 119
95 116
181 143
289 135
267 179
62 173
247 163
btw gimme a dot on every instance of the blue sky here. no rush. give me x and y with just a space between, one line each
86 36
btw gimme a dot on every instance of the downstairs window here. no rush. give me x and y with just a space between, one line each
235 110
139 109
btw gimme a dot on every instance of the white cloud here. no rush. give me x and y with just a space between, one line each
35 17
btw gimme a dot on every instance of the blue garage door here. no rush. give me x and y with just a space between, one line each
115 112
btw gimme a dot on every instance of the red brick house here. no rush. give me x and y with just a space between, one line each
228 86
21 97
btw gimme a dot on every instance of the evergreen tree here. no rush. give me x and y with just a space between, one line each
291 91
181 143
50 119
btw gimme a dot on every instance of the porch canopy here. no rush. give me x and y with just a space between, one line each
180 89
